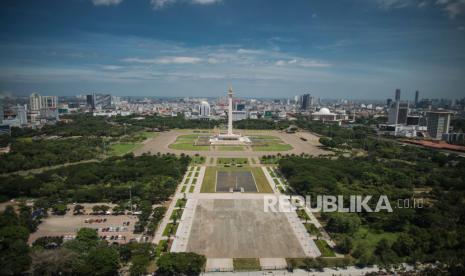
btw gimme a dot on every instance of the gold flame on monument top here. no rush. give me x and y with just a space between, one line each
230 91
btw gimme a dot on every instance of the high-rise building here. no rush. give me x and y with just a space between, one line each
397 95
305 102
49 101
38 102
98 101
437 123
21 114
397 114
389 102
417 95
204 109
90 101
35 102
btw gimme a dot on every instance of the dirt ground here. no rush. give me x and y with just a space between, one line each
231 228
69 224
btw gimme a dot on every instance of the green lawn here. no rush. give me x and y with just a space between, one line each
177 213
230 148
181 203
187 180
273 147
183 189
324 248
170 227
227 160
275 181
191 189
311 229
261 181
123 148
187 142
369 238
302 214
246 264
161 247
209 181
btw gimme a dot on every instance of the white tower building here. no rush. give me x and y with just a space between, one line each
204 109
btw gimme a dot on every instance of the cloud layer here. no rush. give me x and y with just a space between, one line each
106 2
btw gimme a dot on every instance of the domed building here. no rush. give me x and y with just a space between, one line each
325 115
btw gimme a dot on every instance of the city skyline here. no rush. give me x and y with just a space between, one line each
348 49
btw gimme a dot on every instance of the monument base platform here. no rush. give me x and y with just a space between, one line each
230 139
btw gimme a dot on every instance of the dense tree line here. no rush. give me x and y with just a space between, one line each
87 125
152 178
166 123
261 124
14 233
433 233
28 153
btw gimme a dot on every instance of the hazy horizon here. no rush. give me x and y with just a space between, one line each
269 49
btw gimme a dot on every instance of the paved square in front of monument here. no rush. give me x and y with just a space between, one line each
227 180
239 228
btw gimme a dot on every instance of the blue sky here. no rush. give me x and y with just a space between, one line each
360 49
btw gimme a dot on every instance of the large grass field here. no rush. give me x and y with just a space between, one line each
187 142
125 145
269 143
209 180
230 148
122 148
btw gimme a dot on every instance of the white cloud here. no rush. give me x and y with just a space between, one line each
394 4
111 67
106 2
455 8
164 60
303 63
159 4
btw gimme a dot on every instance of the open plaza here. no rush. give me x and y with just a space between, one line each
222 216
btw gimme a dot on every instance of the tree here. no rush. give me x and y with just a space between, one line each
78 209
139 265
53 262
345 245
404 245
59 209
180 263
99 261
14 251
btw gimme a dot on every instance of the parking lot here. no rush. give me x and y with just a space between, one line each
114 228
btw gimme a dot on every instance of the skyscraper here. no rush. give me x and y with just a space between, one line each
397 114
417 94
305 102
437 123
397 95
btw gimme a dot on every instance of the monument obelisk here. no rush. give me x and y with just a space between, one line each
230 112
